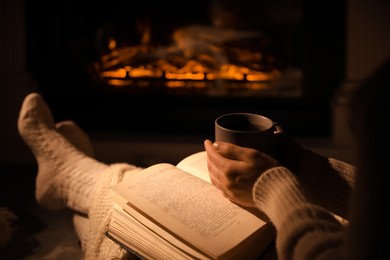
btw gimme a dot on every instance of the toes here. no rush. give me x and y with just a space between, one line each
35 112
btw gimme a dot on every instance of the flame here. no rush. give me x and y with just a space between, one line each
198 57
111 44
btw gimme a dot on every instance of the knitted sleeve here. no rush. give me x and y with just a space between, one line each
304 230
327 182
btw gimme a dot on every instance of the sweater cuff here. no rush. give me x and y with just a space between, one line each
277 192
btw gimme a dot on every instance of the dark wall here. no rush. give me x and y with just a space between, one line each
64 37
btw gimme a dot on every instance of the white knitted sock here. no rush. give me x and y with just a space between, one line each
81 225
76 136
66 175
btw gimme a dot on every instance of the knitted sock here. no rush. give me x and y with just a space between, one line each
81 225
66 176
76 136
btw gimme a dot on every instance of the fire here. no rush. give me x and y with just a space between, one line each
197 59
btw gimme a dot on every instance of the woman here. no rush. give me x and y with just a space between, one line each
306 196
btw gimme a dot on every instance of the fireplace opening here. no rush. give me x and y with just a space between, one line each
169 67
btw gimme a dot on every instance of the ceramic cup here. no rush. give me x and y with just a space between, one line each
247 130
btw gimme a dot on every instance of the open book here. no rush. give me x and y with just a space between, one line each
174 212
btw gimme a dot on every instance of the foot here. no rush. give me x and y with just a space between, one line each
66 175
76 136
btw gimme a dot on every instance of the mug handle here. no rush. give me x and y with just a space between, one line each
277 128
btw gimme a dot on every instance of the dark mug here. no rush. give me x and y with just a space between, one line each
247 130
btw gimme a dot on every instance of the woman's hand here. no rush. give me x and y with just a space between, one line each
234 169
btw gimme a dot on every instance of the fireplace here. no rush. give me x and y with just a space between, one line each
161 67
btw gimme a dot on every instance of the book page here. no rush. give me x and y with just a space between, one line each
196 164
149 232
143 238
189 208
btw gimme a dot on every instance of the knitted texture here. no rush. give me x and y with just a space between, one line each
66 175
327 182
76 136
98 246
300 225
275 187
81 225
